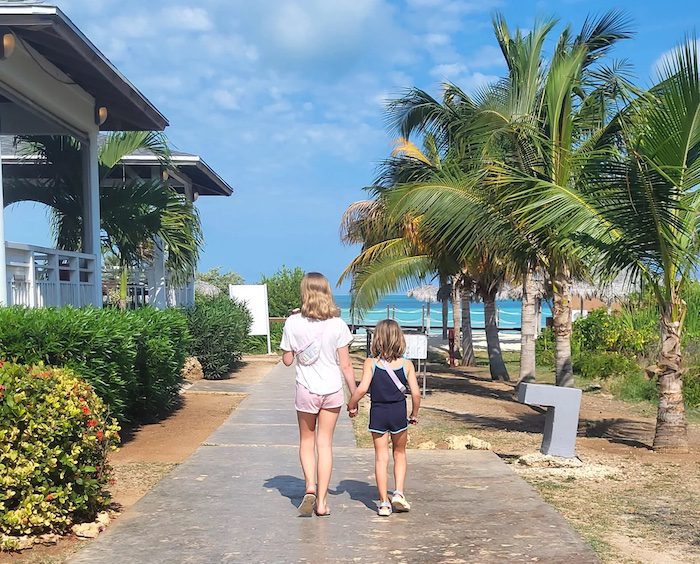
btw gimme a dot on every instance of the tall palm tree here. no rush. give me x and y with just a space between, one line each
136 214
545 119
639 212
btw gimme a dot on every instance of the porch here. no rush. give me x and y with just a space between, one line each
53 81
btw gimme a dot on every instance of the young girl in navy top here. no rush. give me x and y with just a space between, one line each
386 377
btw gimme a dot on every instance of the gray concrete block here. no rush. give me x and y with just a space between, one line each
561 422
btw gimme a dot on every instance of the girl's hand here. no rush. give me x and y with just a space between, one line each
352 411
413 420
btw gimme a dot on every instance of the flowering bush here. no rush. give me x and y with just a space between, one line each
55 433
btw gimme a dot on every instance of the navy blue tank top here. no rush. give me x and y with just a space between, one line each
382 388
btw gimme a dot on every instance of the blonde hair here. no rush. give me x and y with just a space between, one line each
317 298
388 341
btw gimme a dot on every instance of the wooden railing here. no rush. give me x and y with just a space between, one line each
43 277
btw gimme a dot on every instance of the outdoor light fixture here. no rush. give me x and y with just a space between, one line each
165 175
101 114
195 196
9 42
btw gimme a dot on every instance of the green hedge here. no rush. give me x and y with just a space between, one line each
257 344
219 327
132 359
55 433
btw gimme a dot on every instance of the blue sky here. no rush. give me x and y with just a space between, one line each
284 98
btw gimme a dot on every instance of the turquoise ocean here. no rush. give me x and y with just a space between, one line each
409 311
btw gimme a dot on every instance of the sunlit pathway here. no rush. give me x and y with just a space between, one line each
234 501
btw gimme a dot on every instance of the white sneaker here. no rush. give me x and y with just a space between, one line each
399 503
384 509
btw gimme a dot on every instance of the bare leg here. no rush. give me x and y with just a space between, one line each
307 448
327 418
381 462
398 443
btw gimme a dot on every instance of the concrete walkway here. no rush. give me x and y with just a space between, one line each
234 501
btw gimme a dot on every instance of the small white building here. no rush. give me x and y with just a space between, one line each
53 81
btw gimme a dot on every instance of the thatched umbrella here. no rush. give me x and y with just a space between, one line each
427 293
206 289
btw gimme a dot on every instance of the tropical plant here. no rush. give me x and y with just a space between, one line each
55 434
283 290
219 327
136 214
638 211
543 121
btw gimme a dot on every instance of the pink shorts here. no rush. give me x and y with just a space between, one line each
308 402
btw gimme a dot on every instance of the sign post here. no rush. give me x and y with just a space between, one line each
417 349
254 297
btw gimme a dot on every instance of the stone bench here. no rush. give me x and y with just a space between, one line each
561 423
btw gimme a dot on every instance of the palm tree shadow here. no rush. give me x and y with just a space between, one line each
291 487
358 491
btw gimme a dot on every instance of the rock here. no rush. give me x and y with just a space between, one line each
192 370
427 445
87 530
539 460
593 388
103 518
464 442
47 539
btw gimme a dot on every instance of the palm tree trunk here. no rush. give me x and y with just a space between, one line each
467 346
457 313
123 286
671 430
528 329
561 307
496 365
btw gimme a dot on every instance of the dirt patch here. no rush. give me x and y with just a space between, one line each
630 503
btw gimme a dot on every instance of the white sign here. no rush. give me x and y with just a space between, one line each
416 346
255 299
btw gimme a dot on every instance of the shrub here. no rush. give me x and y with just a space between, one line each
601 331
283 290
604 365
219 327
162 343
132 359
55 433
257 344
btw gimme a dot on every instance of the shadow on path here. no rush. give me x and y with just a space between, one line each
291 487
358 491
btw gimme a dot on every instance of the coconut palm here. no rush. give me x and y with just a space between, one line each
639 212
543 119
136 214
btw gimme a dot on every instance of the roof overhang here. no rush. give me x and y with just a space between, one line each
205 181
51 34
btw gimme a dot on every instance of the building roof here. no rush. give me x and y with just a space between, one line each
49 32
205 181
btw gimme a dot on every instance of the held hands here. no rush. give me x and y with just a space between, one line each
352 410
413 420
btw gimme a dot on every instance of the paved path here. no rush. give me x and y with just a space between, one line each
234 501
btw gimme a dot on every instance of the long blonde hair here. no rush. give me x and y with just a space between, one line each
388 341
317 298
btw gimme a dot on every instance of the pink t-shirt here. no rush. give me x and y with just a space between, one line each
323 376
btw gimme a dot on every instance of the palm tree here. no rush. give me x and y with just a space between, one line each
543 119
136 214
639 211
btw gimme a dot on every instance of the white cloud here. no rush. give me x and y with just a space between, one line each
225 99
448 71
186 18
